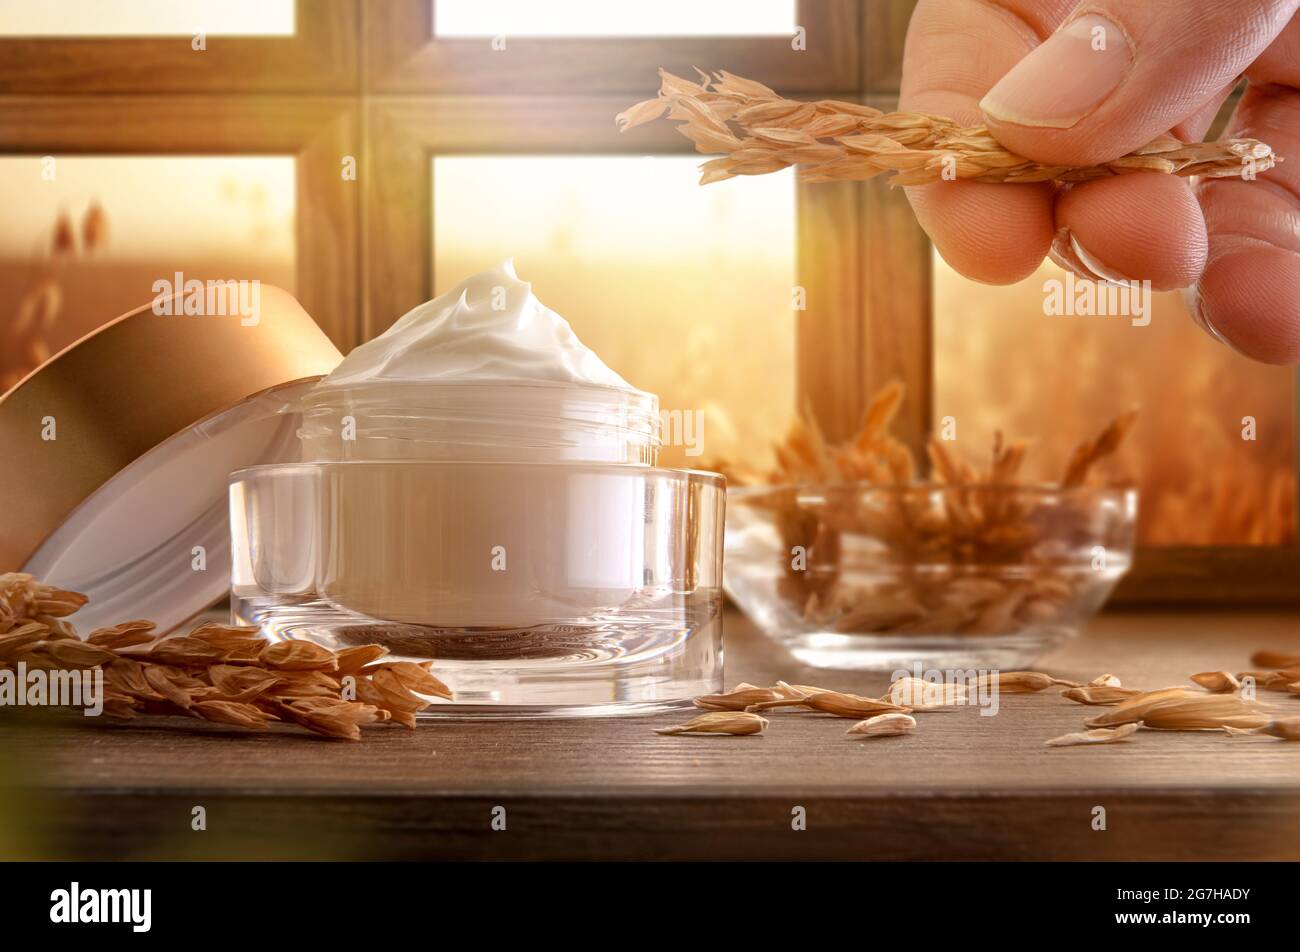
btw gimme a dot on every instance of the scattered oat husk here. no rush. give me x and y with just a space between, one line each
757 131
835 703
1105 681
738 699
884 725
922 695
797 690
1100 735
1271 680
226 674
1283 728
719 722
1275 659
1100 694
1182 709
1217 682
1021 682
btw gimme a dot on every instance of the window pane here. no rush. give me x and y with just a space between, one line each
88 244
146 17
1002 362
584 18
685 291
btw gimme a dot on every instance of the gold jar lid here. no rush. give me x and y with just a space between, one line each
118 449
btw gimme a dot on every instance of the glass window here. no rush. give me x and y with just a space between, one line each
146 17
584 18
87 237
1213 450
684 290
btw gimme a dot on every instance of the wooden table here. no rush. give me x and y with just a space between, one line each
962 786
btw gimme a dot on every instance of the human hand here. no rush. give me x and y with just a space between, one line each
1031 71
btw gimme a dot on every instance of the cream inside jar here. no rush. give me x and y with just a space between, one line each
485 372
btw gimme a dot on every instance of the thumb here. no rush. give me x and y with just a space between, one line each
1124 72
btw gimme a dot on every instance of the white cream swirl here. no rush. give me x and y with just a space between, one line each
490 327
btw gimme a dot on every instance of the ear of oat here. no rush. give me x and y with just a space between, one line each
757 131
222 673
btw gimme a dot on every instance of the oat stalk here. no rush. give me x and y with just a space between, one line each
224 674
758 131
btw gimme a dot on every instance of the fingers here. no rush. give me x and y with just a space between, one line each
956 50
997 234
1249 294
1143 226
1122 72
1195 126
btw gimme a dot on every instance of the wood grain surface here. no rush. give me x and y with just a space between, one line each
964 786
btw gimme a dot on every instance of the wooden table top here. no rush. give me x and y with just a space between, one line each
961 786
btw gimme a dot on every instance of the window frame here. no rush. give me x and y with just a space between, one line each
402 55
317 132
322 56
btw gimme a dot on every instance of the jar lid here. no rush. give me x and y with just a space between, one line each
119 448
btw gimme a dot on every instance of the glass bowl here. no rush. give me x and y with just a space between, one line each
862 576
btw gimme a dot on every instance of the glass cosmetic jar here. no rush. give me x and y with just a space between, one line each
551 569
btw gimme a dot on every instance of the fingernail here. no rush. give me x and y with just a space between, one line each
1094 264
1065 78
1192 298
1072 256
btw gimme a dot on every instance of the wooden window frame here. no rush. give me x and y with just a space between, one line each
317 132
401 54
322 56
